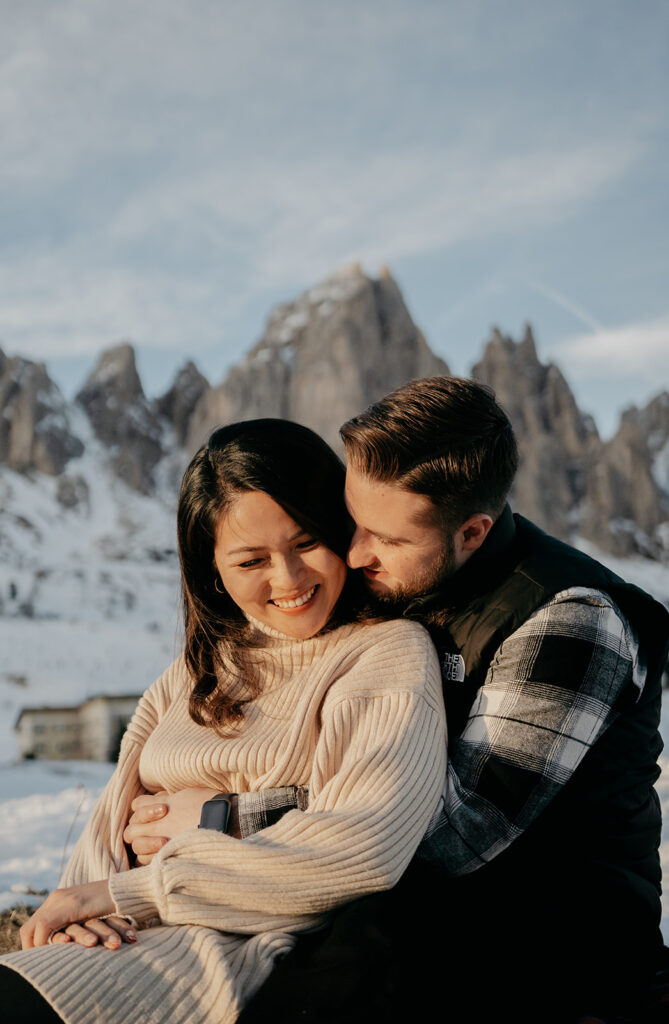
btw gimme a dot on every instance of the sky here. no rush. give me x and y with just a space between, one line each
169 171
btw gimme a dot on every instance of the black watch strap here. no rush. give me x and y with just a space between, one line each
215 813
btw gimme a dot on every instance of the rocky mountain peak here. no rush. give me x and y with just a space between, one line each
115 373
178 404
528 345
350 271
35 429
323 357
121 416
535 395
627 498
653 419
555 439
569 482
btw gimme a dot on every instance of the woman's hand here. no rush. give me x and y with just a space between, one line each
158 817
73 915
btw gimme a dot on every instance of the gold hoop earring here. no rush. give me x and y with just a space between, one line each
221 589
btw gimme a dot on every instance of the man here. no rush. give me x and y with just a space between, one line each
538 882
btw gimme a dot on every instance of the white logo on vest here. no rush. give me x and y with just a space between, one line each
453 668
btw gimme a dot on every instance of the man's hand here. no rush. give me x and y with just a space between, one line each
158 817
74 914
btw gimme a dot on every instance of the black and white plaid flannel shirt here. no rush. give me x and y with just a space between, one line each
550 693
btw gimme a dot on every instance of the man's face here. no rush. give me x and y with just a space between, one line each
401 553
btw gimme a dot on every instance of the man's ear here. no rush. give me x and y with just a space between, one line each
469 537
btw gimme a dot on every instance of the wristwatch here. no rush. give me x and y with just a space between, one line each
216 812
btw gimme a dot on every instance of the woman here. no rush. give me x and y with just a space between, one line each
278 685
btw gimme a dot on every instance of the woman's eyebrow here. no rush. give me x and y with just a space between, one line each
262 547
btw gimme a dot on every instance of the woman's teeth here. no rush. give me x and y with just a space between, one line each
296 602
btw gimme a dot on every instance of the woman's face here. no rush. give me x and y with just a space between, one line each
275 571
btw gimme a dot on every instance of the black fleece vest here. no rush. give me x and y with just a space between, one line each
533 568
605 824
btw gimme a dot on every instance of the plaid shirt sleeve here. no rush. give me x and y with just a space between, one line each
262 809
550 693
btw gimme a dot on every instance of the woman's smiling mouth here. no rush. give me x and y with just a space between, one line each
289 604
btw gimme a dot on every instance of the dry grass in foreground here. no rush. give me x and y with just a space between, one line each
10 922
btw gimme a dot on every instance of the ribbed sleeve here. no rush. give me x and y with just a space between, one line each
100 850
376 782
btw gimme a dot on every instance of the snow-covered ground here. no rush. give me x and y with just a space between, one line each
43 808
57 662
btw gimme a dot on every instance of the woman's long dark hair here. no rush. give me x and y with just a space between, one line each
296 468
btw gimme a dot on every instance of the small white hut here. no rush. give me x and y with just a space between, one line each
90 731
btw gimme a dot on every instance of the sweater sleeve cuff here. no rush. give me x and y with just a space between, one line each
133 893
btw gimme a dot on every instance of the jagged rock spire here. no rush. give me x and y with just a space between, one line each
555 439
627 499
122 418
178 404
35 429
323 358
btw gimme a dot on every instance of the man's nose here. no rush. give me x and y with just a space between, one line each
360 552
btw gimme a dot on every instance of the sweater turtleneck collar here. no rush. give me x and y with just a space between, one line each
275 634
262 627
479 574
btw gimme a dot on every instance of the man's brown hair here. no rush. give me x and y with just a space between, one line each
444 437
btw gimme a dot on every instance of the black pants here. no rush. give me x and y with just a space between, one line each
344 974
371 963
423 952
20 1001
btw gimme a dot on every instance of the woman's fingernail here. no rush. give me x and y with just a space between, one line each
131 935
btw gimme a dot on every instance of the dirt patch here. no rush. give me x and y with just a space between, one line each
10 922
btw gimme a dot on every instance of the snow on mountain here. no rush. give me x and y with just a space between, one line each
322 358
34 418
88 587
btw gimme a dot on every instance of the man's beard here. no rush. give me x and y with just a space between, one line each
423 583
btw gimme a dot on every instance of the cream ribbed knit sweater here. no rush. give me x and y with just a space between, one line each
357 716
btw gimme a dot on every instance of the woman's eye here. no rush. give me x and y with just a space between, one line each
250 564
304 545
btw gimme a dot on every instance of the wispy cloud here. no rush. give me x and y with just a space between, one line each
568 305
222 239
638 350
52 309
611 369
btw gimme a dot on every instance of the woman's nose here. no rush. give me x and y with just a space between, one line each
288 572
